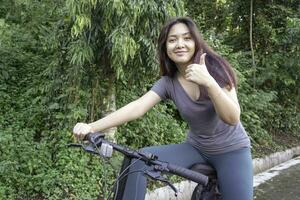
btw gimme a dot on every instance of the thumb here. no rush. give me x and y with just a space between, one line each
202 59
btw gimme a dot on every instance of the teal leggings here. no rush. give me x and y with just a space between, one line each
234 170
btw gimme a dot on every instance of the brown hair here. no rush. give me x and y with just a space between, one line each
217 66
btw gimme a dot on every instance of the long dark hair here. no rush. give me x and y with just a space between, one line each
217 66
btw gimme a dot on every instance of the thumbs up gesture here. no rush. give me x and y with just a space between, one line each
198 72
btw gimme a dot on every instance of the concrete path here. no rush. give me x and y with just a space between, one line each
279 183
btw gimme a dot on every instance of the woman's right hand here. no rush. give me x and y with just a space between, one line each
82 129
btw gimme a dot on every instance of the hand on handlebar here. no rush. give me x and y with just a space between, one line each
82 129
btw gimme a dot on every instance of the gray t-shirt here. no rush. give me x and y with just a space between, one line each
208 132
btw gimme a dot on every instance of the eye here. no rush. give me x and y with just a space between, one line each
171 40
188 38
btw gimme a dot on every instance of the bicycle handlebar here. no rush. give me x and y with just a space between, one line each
150 159
188 174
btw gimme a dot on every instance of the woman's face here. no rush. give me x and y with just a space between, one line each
180 44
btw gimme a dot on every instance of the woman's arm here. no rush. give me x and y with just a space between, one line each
125 114
225 102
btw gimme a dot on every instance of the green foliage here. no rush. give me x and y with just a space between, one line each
110 38
33 110
276 39
60 61
210 15
161 125
49 81
119 31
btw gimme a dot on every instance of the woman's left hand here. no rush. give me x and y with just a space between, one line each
198 73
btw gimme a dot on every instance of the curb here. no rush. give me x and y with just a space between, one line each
185 188
267 162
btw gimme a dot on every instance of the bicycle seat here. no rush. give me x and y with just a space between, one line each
204 169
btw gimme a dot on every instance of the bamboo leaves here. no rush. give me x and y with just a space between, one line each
123 47
120 24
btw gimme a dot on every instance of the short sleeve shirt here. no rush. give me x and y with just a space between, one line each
207 132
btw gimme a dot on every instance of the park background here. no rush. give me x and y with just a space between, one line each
66 61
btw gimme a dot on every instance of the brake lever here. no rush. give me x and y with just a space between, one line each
156 175
147 155
75 145
105 150
170 185
88 148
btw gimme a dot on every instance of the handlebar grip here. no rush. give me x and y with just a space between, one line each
189 174
94 137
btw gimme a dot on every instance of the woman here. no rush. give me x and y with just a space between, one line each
202 85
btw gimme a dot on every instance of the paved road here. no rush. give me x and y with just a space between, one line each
285 186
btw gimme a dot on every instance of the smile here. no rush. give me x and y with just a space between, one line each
180 52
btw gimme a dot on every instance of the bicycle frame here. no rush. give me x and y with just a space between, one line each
122 183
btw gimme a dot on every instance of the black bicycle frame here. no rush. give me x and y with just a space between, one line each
122 183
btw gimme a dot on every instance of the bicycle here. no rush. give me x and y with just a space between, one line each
202 174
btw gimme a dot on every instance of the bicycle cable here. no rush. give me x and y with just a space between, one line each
105 174
119 178
122 175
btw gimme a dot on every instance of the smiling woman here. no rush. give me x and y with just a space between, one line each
180 45
202 85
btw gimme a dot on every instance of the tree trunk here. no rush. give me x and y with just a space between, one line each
251 43
103 100
109 104
109 100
